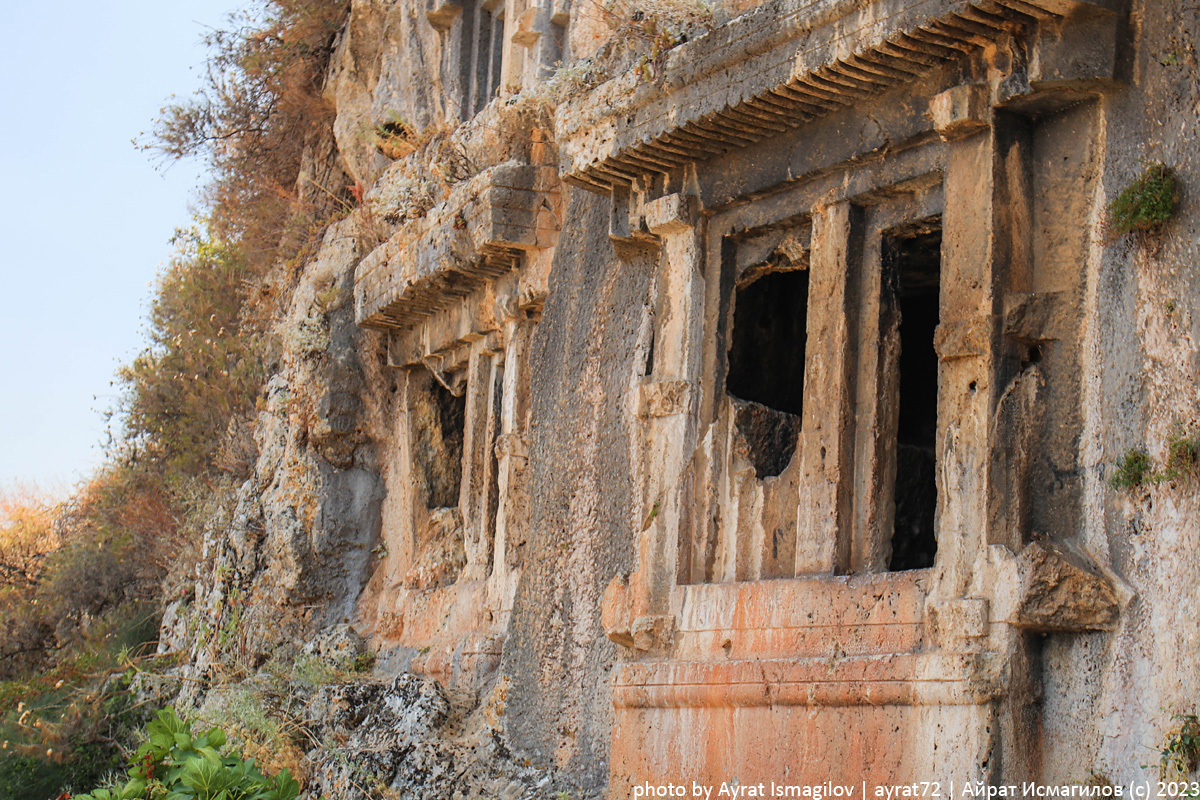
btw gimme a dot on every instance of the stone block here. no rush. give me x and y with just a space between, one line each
614 611
531 25
653 632
1081 55
955 622
442 13
960 111
1061 591
512 445
963 338
672 213
1035 316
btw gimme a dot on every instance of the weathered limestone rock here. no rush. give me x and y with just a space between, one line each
395 737
339 644
1060 592
754 416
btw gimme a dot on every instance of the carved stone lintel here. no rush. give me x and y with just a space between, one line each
614 142
1061 591
902 679
477 235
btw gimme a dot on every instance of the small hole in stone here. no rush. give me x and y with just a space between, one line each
1033 355
971 387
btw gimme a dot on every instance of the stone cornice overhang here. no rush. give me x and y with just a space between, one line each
774 69
476 235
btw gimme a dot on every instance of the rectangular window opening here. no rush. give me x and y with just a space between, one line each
437 418
912 270
438 446
496 50
482 51
766 365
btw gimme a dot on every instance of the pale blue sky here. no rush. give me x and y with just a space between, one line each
85 218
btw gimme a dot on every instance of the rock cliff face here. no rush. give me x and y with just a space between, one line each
536 437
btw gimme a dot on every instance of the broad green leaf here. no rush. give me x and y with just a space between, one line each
134 789
216 737
286 787
209 754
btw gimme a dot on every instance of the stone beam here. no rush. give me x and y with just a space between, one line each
476 235
778 67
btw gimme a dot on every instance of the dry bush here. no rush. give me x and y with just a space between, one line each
121 504
72 565
27 537
202 369
260 108
27 534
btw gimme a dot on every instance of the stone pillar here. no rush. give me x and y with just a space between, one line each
512 458
478 499
823 543
965 345
637 613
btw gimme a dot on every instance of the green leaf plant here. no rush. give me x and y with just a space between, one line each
174 764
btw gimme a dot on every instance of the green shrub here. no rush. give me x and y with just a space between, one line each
1145 204
1133 469
1183 461
1183 455
28 777
1180 755
203 367
176 764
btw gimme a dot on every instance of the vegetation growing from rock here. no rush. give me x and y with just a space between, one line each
1182 462
1180 755
1145 205
79 613
177 763
82 581
202 369
260 107
1132 469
